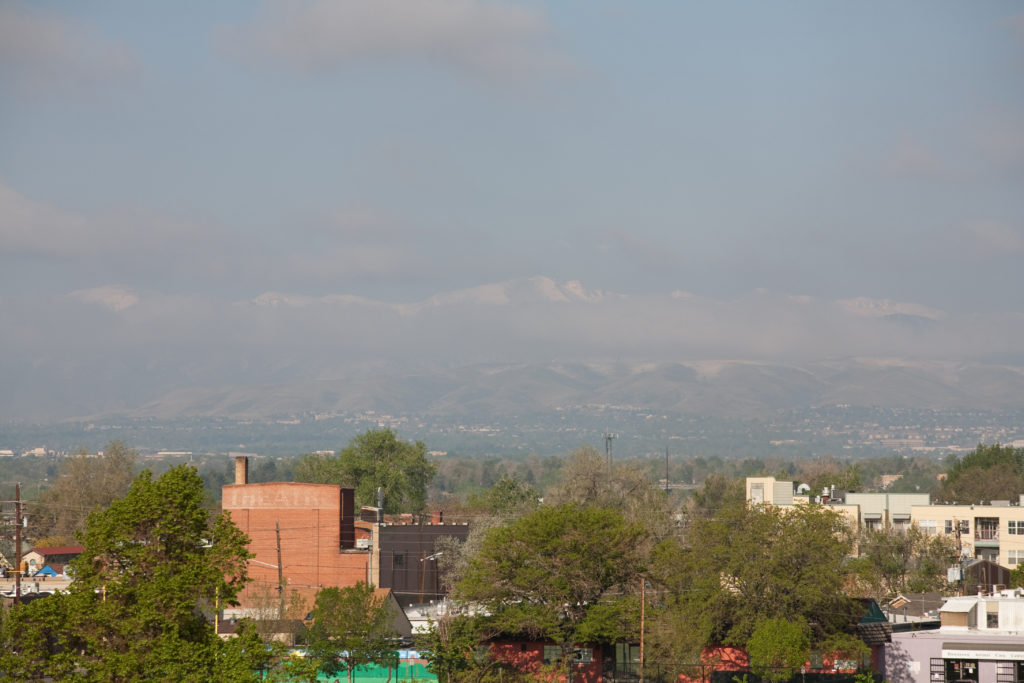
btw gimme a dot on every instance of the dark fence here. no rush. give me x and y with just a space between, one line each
707 674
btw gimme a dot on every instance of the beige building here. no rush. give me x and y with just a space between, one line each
862 510
990 532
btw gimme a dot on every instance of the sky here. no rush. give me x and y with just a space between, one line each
186 188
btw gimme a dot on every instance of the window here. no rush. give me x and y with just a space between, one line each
928 527
1015 528
757 493
1014 557
964 526
873 524
961 669
552 654
992 620
627 658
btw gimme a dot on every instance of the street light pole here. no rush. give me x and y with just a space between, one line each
17 543
280 573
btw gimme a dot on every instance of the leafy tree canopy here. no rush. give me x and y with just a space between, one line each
551 573
84 483
894 561
508 496
1017 576
716 493
754 563
778 648
351 627
587 479
989 472
372 460
152 560
451 646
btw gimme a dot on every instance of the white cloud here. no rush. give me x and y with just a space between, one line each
110 297
879 308
44 51
29 227
489 39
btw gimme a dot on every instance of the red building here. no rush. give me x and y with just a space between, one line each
305 535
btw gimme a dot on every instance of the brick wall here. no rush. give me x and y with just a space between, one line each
310 518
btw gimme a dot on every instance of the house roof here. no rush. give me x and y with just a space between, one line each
874 633
916 604
59 550
959 605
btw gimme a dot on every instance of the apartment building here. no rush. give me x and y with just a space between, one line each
993 532
862 510
990 532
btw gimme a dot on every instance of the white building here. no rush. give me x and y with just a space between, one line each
981 639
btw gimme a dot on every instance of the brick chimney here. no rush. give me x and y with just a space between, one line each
241 469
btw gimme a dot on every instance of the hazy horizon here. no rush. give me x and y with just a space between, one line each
305 189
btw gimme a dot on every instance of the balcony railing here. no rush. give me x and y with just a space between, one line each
986 534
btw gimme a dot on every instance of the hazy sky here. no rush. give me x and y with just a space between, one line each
191 156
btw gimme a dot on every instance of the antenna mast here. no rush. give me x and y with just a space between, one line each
666 469
608 436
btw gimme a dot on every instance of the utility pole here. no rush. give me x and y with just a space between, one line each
608 446
666 469
643 586
280 573
17 543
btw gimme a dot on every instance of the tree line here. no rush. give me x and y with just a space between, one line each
573 566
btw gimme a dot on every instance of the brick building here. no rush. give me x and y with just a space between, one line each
304 534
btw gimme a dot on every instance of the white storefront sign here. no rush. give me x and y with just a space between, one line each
1003 655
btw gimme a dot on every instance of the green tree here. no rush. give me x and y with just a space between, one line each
83 484
1017 576
778 648
547 573
508 496
894 561
587 479
372 460
846 646
450 646
351 627
754 563
985 474
718 492
152 561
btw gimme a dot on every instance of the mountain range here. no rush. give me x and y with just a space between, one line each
515 347
720 388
